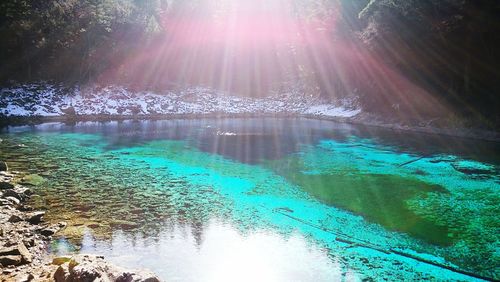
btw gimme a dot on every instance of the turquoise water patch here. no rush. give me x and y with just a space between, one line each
322 207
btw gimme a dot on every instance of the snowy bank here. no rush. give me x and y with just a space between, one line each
48 100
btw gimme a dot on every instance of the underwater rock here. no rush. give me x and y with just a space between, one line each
124 224
471 168
93 225
36 217
53 229
74 232
33 180
3 166
61 260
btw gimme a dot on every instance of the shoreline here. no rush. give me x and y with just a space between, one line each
25 239
368 120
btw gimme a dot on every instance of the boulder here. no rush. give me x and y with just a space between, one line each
90 268
62 273
3 166
6 185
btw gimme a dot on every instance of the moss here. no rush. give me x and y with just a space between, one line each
379 198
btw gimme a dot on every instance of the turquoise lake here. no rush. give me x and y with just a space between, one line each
266 199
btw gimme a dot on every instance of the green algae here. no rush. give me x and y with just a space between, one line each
379 198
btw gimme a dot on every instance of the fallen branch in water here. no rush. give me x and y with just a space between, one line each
412 161
340 237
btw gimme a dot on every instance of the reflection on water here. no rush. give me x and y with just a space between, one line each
222 254
266 199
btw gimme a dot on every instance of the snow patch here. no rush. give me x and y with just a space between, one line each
331 111
49 100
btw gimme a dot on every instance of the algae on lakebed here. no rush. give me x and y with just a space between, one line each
377 197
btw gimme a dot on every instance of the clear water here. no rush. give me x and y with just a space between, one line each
266 199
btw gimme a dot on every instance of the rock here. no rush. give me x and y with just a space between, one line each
36 217
13 200
6 185
60 260
70 111
47 232
90 268
62 273
124 224
10 260
11 193
14 218
23 251
18 249
25 208
9 251
5 202
93 225
29 242
3 166
140 275
25 277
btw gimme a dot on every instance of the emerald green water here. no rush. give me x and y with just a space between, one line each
266 199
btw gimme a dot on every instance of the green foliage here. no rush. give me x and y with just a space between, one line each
45 37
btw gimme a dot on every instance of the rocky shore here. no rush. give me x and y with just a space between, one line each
25 239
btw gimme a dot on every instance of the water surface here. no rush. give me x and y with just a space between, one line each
266 199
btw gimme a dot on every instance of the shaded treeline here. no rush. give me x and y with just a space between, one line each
448 47
399 56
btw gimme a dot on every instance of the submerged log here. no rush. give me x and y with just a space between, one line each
361 243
